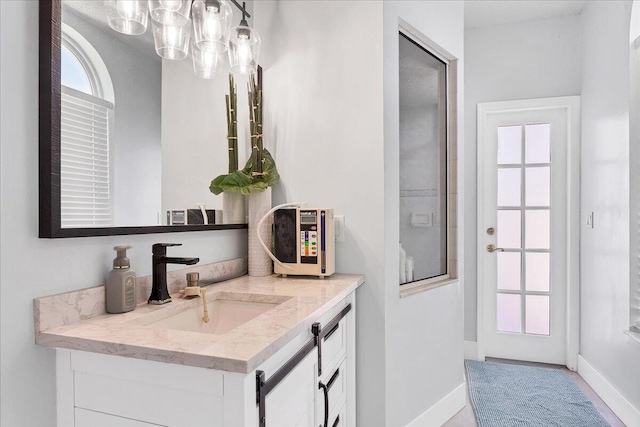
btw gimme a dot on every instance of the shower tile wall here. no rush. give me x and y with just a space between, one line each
421 171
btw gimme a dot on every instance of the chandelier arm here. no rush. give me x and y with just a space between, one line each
241 8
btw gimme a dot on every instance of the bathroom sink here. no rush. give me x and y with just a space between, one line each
225 315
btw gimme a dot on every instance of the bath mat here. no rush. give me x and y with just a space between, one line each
511 396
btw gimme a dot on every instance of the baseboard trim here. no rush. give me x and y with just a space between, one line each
471 350
443 410
620 406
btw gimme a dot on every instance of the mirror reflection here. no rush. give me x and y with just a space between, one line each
141 136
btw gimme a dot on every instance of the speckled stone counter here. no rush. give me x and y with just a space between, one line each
300 301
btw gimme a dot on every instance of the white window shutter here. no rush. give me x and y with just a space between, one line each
85 169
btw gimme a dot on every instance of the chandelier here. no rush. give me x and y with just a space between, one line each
204 26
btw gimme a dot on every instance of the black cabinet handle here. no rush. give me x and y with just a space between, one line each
337 421
325 389
333 379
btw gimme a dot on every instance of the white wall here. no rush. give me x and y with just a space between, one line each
604 271
424 332
323 115
329 111
31 267
202 129
524 60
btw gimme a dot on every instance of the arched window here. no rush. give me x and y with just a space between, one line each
86 128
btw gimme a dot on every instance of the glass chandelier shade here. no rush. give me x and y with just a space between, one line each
170 12
127 16
244 49
206 65
172 41
211 24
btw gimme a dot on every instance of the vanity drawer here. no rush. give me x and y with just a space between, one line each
132 388
334 347
336 384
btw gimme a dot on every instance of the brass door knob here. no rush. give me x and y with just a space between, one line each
491 248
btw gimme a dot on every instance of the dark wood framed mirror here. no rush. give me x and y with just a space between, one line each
63 30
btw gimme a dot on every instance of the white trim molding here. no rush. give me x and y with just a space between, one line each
572 105
620 406
444 409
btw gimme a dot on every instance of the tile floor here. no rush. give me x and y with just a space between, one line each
466 418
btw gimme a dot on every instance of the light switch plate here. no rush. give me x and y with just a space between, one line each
589 219
338 225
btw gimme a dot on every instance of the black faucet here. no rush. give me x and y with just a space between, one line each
159 291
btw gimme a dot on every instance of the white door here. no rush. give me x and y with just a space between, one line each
523 231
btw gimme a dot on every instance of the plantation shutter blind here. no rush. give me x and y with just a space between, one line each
86 199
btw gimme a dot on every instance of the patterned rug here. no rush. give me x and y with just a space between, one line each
511 396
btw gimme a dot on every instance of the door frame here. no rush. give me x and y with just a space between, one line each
572 106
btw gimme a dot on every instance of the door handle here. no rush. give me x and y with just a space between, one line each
492 248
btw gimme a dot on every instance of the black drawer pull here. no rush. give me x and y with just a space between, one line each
333 379
325 390
337 421
331 332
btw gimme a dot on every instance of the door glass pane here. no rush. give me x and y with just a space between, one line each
423 162
509 229
537 314
537 229
509 145
538 143
538 186
509 270
509 313
537 277
509 188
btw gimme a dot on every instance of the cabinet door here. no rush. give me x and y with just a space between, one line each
339 418
336 384
292 402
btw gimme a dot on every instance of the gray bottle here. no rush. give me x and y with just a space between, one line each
121 284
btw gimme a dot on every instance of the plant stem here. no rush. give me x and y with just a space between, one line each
232 125
255 125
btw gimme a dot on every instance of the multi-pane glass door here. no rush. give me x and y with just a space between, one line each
523 228
523 233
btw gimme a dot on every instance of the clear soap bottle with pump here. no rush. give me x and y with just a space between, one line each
120 287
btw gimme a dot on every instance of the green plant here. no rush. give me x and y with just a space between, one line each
260 172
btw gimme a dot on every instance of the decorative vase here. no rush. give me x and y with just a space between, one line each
259 262
233 208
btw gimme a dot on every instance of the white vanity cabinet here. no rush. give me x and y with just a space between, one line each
95 389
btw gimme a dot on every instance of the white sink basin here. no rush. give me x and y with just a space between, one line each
224 314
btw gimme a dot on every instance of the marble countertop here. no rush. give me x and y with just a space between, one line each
300 302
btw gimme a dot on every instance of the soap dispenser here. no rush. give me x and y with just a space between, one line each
121 284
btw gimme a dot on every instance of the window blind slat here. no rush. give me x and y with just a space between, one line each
98 118
85 170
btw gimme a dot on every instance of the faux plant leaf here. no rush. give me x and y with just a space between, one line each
271 176
235 182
